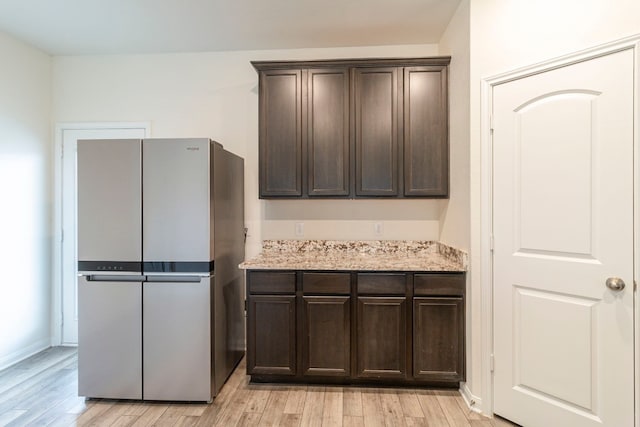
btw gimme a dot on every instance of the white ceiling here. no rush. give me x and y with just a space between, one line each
77 27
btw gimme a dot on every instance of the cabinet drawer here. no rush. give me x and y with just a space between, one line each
326 283
271 283
381 284
438 285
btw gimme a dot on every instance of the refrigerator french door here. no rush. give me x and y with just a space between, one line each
110 282
177 262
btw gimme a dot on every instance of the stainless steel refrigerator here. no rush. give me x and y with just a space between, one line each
160 297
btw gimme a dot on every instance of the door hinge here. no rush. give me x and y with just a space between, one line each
491 243
491 123
491 363
635 285
245 306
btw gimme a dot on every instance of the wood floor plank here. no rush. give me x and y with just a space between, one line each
333 407
187 421
38 405
274 409
209 415
7 417
481 423
498 421
413 421
313 407
33 386
249 419
352 398
352 421
56 412
295 400
191 409
392 408
170 416
63 420
33 366
448 402
233 401
259 395
290 420
111 415
410 404
124 421
433 412
231 413
151 415
93 413
372 408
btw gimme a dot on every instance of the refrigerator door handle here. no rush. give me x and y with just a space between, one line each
173 279
115 278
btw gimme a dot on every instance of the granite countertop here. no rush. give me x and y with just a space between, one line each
364 255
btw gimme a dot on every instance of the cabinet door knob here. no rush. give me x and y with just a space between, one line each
615 284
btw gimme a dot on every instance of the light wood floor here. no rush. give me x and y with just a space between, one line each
42 390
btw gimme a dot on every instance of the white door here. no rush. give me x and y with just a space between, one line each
69 260
563 225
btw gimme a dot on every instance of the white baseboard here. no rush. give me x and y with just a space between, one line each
473 402
23 353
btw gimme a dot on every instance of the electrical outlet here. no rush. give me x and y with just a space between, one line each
378 229
299 229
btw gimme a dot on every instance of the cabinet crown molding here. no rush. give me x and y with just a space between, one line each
353 62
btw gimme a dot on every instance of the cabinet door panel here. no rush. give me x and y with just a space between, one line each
326 335
376 131
328 132
438 339
426 146
381 337
271 338
281 133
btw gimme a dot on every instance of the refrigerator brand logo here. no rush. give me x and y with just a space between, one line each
193 148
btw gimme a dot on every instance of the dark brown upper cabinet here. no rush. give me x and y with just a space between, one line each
376 131
426 132
354 128
328 132
281 148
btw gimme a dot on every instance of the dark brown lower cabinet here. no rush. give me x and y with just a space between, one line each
271 335
356 327
381 337
438 339
326 337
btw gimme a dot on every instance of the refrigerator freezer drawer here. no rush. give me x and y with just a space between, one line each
177 340
109 339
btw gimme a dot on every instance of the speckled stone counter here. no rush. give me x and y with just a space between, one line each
365 255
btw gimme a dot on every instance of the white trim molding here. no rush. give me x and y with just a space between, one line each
486 210
473 402
23 353
56 283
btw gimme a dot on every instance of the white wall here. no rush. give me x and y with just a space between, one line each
216 95
25 192
454 222
508 34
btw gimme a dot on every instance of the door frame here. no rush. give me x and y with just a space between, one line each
56 262
486 202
